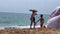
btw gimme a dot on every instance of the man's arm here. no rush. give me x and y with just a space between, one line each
37 20
43 20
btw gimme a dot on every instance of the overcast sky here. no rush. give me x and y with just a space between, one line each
23 6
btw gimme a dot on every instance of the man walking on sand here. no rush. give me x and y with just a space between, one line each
32 18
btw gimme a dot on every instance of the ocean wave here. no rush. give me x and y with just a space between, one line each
16 27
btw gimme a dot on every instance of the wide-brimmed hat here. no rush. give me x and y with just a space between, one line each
33 10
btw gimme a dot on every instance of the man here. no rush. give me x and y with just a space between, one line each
32 18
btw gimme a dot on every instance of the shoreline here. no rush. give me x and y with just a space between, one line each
16 27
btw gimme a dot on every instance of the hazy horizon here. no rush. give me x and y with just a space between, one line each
23 6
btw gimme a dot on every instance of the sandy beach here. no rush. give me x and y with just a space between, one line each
30 31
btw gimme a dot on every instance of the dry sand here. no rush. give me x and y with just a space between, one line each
30 31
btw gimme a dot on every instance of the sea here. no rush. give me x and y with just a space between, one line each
20 20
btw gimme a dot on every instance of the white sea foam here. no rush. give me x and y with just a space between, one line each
16 27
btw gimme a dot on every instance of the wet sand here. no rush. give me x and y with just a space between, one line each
30 31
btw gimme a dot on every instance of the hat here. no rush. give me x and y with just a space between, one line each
33 10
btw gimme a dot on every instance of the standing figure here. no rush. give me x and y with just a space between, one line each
41 19
32 18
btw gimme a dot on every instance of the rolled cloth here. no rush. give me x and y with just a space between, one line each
54 21
55 12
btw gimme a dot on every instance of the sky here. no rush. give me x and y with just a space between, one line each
23 6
